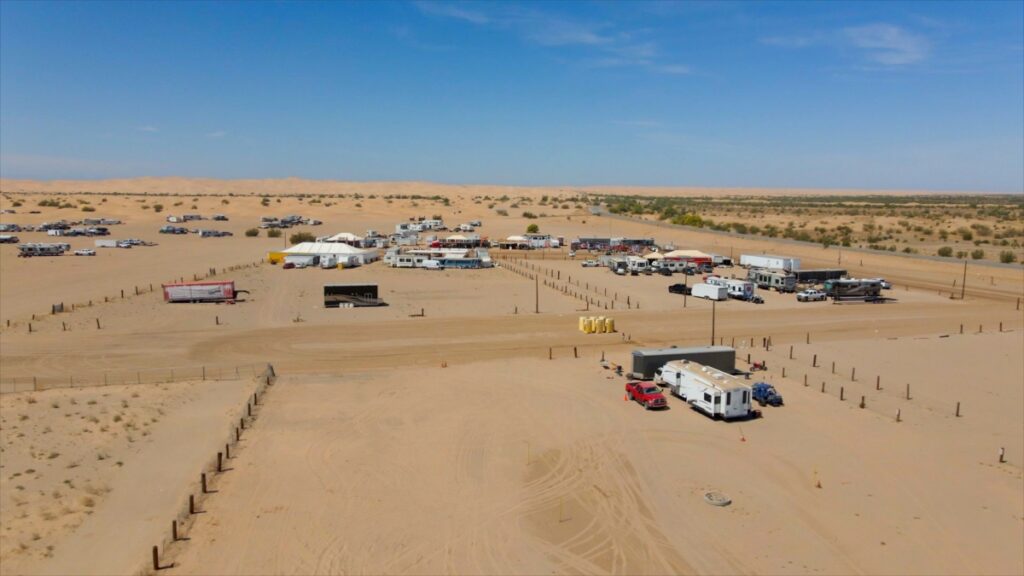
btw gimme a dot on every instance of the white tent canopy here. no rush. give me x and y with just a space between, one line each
687 254
319 248
344 237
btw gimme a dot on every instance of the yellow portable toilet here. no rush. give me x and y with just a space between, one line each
588 325
600 325
583 324
609 325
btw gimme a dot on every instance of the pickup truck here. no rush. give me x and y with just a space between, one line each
647 394
679 289
811 295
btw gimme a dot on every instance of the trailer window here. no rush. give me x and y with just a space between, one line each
728 397
707 397
745 399
718 400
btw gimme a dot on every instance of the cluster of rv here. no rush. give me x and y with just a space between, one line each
783 274
703 377
438 258
195 218
203 233
86 227
286 222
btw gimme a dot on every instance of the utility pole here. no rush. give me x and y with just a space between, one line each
536 295
963 285
713 302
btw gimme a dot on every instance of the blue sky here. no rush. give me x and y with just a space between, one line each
867 95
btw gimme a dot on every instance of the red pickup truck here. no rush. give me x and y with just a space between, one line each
647 394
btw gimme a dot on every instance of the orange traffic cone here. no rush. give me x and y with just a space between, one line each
625 397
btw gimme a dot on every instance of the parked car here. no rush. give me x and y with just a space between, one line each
220 217
85 252
885 283
6 239
124 244
665 271
756 299
811 295
765 394
288 265
679 289
590 264
647 394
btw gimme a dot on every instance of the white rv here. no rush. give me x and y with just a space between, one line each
740 289
636 264
710 292
707 389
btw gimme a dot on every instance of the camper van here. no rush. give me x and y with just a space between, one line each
713 392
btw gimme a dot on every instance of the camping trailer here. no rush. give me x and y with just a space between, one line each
647 361
740 289
772 279
713 392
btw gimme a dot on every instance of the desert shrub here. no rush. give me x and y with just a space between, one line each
158 207
945 251
265 201
965 233
502 212
274 233
977 254
300 237
532 229
16 203
252 232
88 209
1007 257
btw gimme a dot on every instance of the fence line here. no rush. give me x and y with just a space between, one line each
212 373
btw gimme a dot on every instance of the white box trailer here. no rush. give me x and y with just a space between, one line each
105 243
770 262
713 392
200 292
710 292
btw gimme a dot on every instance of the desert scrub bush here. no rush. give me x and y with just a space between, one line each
274 233
977 254
300 237
88 209
501 212
945 251
1007 257
252 232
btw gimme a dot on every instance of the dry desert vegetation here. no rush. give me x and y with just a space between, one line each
469 427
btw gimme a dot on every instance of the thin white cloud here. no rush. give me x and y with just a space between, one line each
148 129
217 134
887 44
456 11
880 44
608 46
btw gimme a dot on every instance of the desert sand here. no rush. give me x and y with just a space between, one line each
450 443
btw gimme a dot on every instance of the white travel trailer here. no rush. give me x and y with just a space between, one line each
710 292
713 392
740 289
636 264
